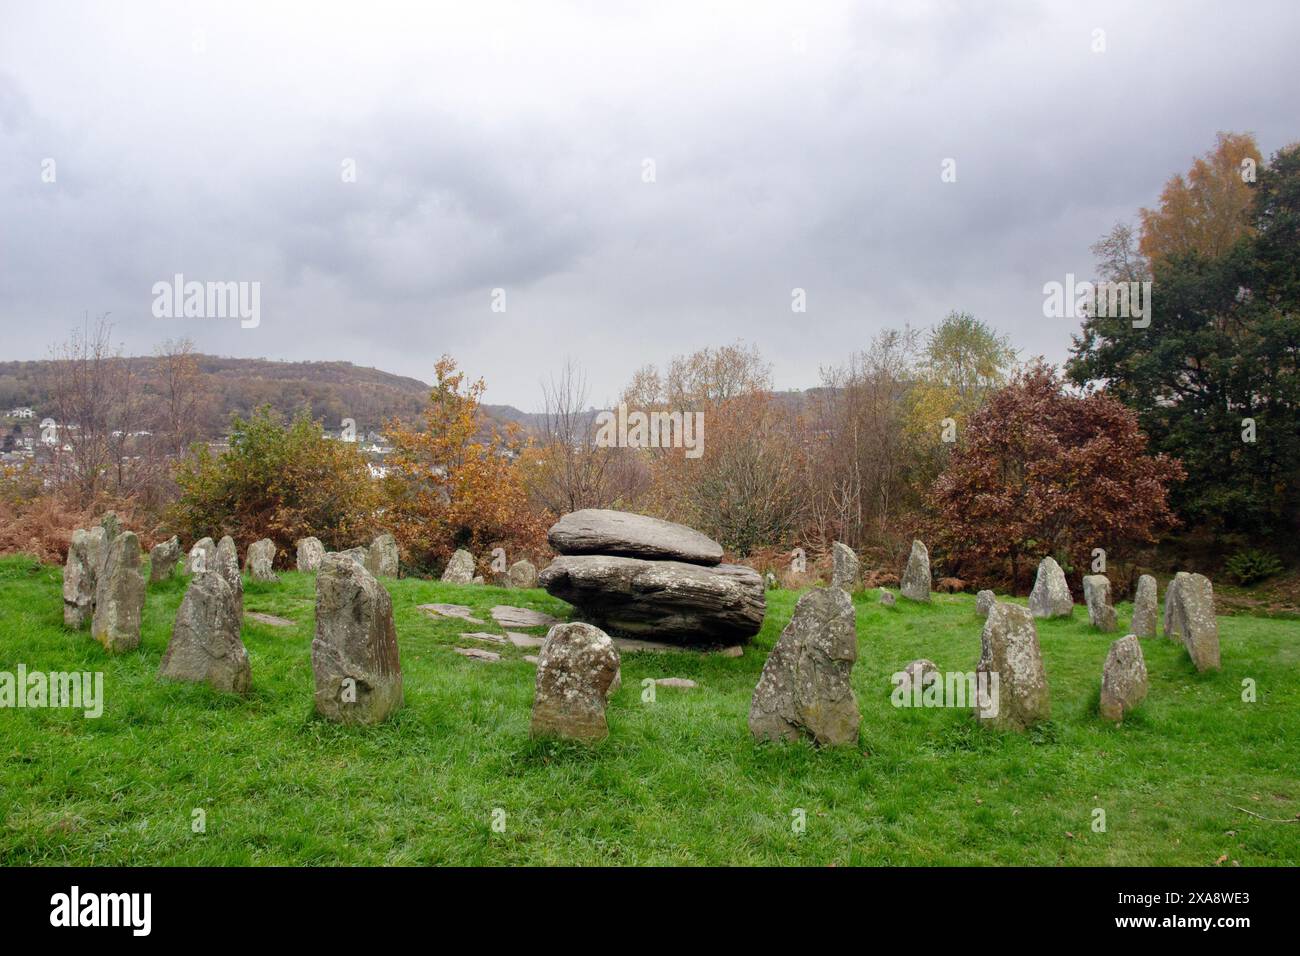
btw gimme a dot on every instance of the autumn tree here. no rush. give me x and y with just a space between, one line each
453 482
1041 471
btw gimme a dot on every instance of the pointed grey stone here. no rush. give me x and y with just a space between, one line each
1172 625
1051 594
984 602
259 561
915 585
1009 648
845 566
205 645
162 559
310 552
460 569
86 554
1123 679
228 565
1144 607
201 557
1096 594
354 654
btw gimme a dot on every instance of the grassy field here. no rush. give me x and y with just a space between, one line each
679 781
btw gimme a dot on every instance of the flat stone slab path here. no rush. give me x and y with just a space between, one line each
478 654
270 620
458 611
508 617
524 640
484 636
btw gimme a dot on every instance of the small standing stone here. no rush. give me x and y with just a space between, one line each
228 565
460 569
522 575
260 560
202 557
1051 595
205 646
984 602
80 573
1197 622
1172 626
1096 594
1009 649
804 688
914 676
383 556
576 672
1144 607
1123 679
119 595
845 565
916 576
887 597
162 559
310 551
354 653
770 582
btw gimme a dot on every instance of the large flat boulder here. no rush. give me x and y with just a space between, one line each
624 534
669 600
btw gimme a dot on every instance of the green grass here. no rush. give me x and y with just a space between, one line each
678 781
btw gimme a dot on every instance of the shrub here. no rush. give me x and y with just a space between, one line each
1250 565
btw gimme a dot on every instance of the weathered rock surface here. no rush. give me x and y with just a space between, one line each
681 683
769 581
1173 628
119 595
508 616
86 554
914 676
1196 620
310 552
915 584
844 567
358 554
1123 679
521 575
354 653
1144 607
163 558
201 557
259 561
478 654
112 526
384 561
1009 649
624 534
205 645
1096 594
984 602
577 670
670 600
887 597
227 562
460 569
1051 594
804 689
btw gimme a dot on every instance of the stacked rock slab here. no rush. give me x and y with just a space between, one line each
1009 649
310 551
915 585
119 596
460 569
577 671
522 575
655 579
260 560
1096 594
1144 607
383 556
804 689
1051 595
1194 615
1123 679
354 653
844 564
85 558
162 559
205 646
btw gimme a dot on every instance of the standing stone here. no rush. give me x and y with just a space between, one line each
1172 626
1144 608
804 688
1051 595
577 671
85 559
770 582
112 526
202 557
205 646
916 576
913 676
119 596
383 556
1199 626
162 559
310 551
259 561
228 566
460 569
522 575
887 597
1123 679
984 602
1009 649
1096 594
354 653
360 555
845 567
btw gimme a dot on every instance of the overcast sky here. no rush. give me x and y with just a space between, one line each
794 145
